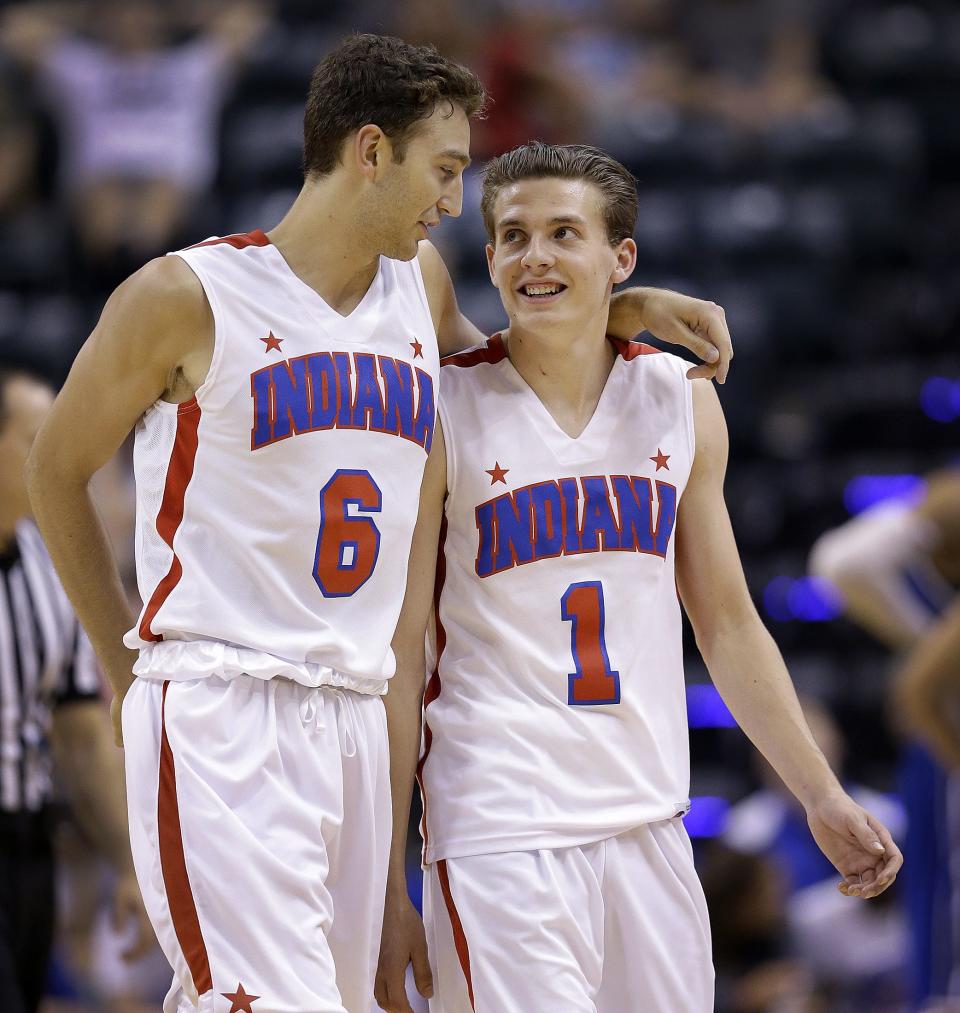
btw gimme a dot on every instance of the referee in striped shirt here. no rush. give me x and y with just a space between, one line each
50 709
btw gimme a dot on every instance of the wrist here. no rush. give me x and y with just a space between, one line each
627 311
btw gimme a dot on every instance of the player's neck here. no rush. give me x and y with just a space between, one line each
321 244
567 371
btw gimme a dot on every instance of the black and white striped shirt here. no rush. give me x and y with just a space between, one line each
45 660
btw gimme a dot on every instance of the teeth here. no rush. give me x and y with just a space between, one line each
542 289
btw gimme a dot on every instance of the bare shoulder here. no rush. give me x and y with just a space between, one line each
431 264
710 427
436 282
160 318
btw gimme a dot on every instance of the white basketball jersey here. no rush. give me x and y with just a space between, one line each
556 714
275 510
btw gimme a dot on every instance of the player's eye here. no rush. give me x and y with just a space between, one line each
511 235
564 232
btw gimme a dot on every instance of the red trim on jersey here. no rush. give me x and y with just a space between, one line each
459 937
179 473
173 865
239 241
493 351
631 349
433 686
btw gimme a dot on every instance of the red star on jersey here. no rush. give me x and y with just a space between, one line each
497 474
661 460
417 349
273 343
241 999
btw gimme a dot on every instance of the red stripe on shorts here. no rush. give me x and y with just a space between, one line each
179 472
459 938
173 863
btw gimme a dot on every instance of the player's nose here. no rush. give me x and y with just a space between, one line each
451 203
537 254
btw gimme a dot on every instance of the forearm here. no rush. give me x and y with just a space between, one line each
92 770
750 674
403 704
80 549
626 312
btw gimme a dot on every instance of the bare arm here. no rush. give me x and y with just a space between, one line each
154 332
91 769
749 672
927 689
671 316
402 931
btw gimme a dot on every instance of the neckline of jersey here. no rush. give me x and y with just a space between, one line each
310 295
584 438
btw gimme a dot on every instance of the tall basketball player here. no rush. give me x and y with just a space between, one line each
283 392
579 481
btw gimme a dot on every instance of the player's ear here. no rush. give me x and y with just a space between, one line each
490 252
626 252
371 150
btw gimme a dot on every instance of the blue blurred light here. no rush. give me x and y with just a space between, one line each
776 597
809 599
706 709
814 600
940 399
866 491
707 816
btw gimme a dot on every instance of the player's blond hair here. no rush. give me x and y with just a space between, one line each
538 160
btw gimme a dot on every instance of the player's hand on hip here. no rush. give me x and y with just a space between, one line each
403 942
858 844
696 324
128 910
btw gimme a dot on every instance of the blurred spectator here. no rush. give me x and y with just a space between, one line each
138 113
755 972
854 953
755 63
49 695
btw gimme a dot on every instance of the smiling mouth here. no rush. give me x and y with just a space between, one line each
544 292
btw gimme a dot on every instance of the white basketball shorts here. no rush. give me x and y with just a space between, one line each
616 926
260 824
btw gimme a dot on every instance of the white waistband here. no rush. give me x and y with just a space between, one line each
184 660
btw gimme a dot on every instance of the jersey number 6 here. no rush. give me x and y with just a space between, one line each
594 681
348 545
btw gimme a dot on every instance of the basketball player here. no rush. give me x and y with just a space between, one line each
580 483
897 565
283 391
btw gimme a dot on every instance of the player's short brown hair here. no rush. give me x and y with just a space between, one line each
537 160
383 80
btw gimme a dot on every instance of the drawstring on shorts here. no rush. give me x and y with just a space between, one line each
313 707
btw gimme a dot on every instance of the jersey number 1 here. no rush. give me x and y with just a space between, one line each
594 681
348 545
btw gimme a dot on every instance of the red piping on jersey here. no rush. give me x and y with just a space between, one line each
459 936
173 864
179 473
631 349
239 241
433 686
493 351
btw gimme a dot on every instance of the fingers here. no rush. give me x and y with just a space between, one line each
713 326
702 372
390 992
422 976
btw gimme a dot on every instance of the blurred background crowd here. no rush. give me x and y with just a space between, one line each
796 162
